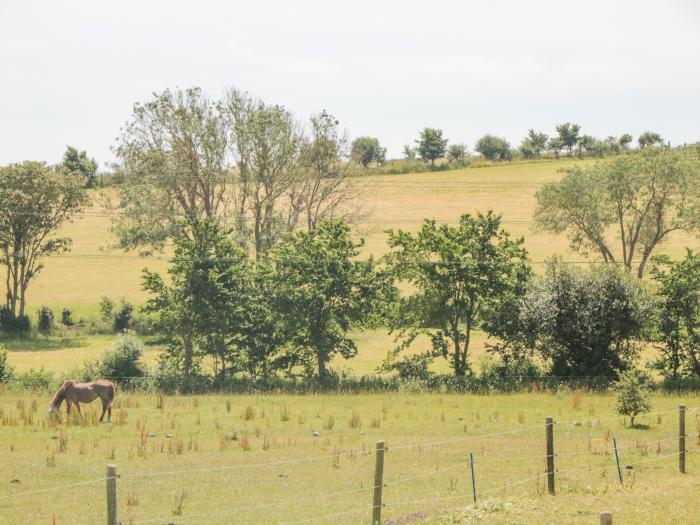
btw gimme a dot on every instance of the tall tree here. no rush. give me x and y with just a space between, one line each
534 144
409 153
323 293
569 135
457 152
493 147
78 162
625 140
35 201
431 145
174 157
366 150
460 275
644 197
649 138
267 142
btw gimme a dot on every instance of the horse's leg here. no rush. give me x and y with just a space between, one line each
68 407
104 409
77 406
109 412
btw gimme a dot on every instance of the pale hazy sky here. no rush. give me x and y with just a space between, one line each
71 70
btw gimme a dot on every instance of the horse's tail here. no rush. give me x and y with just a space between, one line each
111 392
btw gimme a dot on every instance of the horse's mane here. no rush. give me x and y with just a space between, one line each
60 393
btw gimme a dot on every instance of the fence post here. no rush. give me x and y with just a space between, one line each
471 463
681 438
111 495
378 482
617 460
550 454
606 518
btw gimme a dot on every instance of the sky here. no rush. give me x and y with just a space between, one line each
70 71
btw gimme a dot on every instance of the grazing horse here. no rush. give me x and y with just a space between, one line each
74 392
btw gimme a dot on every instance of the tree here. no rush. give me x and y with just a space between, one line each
267 144
644 197
678 315
322 293
581 323
613 145
457 153
366 150
554 146
176 165
205 302
625 140
569 135
649 138
35 201
460 275
493 148
325 188
431 145
632 393
78 162
586 144
409 153
534 144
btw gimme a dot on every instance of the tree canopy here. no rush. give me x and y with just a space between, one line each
366 150
79 162
493 147
431 145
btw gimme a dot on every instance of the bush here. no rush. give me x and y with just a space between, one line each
6 371
35 379
632 391
123 317
45 321
123 360
411 368
11 325
66 319
106 308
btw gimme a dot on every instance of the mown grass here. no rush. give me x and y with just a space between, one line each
254 459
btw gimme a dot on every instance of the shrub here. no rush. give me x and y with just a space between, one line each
632 394
66 319
6 371
106 308
123 317
35 379
45 321
123 360
411 368
13 325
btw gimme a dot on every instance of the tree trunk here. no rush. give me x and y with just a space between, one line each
187 355
320 358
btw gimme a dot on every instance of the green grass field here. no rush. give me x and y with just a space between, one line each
253 459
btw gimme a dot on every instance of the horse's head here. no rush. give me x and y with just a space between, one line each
52 408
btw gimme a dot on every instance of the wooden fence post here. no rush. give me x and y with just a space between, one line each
550 454
378 483
111 495
606 518
471 463
617 460
681 439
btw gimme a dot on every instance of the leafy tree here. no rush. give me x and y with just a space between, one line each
45 321
493 148
582 323
35 202
460 275
612 145
175 163
409 153
457 153
123 360
122 319
66 317
644 197
78 162
586 145
569 135
632 394
323 293
431 145
6 371
366 150
554 146
678 316
625 140
649 138
106 308
534 144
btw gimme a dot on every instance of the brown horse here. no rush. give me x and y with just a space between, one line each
74 392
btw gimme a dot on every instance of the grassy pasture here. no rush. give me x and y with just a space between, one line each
253 459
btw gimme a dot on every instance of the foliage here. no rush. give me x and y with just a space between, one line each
322 293
431 145
625 140
493 148
678 316
580 322
78 162
457 153
632 394
122 318
13 325
649 138
123 360
35 202
460 274
534 144
366 150
45 321
568 135
66 317
412 368
645 197
409 153
106 308
34 379
6 371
